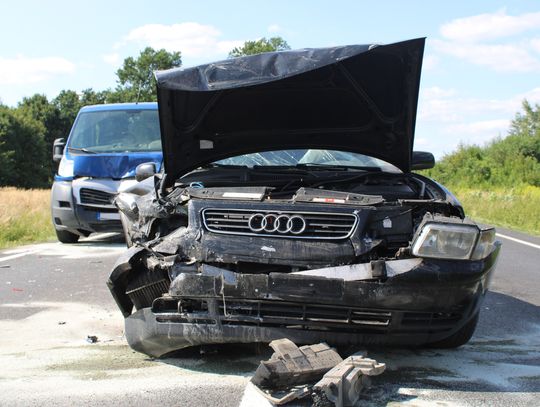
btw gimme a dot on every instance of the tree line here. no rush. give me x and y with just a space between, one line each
27 131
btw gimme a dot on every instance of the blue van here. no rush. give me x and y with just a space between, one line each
99 160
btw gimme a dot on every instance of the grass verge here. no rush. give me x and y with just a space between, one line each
515 208
24 216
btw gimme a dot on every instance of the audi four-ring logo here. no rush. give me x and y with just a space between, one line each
271 223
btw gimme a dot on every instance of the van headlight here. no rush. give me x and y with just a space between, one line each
453 241
65 168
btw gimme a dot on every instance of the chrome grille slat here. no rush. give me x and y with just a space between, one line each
319 225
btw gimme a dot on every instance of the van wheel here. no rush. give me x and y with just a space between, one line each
66 237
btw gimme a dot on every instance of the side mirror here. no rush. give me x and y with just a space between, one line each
422 160
144 170
58 149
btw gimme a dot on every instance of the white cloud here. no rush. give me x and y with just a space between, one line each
22 70
445 105
430 62
489 26
111 59
499 57
471 39
274 28
190 38
490 127
446 118
535 44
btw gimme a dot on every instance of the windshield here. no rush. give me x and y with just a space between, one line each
116 131
309 157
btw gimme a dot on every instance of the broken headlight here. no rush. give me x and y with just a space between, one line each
485 244
446 241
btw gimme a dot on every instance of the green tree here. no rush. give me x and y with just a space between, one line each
260 46
135 78
48 115
22 150
528 122
91 97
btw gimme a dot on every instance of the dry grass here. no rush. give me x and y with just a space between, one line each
24 216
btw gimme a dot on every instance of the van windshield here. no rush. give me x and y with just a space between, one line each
116 131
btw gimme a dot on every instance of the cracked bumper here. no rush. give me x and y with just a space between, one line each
423 302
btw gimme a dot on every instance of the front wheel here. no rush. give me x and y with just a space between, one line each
66 237
461 337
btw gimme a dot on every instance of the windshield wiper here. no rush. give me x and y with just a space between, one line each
331 167
81 150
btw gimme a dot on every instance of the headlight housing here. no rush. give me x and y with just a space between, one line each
65 169
453 239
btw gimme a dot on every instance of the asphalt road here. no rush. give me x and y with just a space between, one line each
53 296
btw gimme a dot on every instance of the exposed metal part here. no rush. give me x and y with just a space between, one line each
288 224
343 384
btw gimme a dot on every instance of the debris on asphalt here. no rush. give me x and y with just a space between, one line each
91 339
343 384
293 373
291 365
5 266
61 322
18 290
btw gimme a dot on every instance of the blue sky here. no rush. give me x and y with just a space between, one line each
482 57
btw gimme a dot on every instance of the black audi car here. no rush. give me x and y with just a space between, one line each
287 207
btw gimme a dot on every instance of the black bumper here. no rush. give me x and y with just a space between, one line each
427 303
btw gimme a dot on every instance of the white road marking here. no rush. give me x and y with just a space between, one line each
536 246
14 256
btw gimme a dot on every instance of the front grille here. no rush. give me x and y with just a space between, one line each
291 224
143 295
95 197
273 313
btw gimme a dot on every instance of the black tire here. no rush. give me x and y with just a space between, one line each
66 237
461 337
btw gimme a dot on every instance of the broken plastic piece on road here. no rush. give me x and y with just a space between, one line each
291 372
291 365
343 384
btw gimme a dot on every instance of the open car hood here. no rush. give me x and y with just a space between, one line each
358 98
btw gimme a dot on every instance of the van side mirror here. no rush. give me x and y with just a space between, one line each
144 170
58 149
422 160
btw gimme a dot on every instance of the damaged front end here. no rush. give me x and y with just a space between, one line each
287 209
204 270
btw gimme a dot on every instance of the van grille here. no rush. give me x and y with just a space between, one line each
95 197
290 224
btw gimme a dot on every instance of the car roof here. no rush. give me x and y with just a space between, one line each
120 106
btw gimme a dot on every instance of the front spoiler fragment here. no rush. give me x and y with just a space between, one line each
145 334
426 302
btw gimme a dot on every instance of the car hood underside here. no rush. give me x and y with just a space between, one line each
358 98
